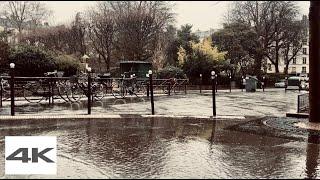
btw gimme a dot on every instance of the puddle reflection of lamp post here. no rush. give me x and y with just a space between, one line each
12 66
213 93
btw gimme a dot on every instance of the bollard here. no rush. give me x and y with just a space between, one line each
185 88
1 94
263 83
216 80
12 88
213 94
148 89
151 91
169 87
200 83
230 82
89 90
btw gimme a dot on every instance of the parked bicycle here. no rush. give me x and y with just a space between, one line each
43 89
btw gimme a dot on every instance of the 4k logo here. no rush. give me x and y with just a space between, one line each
30 154
25 158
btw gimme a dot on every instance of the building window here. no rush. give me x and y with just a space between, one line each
304 50
304 60
304 42
294 61
293 70
304 70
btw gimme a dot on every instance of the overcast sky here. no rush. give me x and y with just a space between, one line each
203 15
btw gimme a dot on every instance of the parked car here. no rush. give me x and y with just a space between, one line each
280 84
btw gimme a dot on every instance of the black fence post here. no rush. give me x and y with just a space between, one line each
230 82
216 82
89 92
213 93
200 83
12 88
1 93
151 91
148 89
169 87
52 90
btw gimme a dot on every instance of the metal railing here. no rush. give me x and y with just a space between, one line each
72 89
303 103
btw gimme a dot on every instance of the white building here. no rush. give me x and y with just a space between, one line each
300 64
204 34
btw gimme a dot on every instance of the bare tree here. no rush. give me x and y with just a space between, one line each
139 25
24 13
101 29
269 19
293 42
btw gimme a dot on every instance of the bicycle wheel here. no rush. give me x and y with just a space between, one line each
63 90
33 92
5 90
98 91
117 90
75 93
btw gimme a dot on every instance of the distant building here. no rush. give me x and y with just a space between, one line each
204 34
300 64
8 25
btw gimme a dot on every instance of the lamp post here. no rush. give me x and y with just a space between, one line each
216 80
241 84
151 91
213 93
89 89
263 83
85 58
230 81
286 84
12 66
148 85
200 83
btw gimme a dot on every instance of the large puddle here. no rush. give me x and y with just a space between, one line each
166 148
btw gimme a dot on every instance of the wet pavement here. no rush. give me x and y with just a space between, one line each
131 144
170 148
272 102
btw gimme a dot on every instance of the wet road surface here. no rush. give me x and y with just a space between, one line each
168 148
272 102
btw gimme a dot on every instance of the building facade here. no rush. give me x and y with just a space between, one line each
299 66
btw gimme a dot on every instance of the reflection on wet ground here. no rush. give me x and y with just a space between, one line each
169 148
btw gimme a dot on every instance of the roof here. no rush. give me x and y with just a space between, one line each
134 62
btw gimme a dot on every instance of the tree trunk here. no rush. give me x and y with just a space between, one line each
276 66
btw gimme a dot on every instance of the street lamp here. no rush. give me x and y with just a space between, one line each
213 76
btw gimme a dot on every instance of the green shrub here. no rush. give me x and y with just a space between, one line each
171 72
68 64
197 64
31 61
